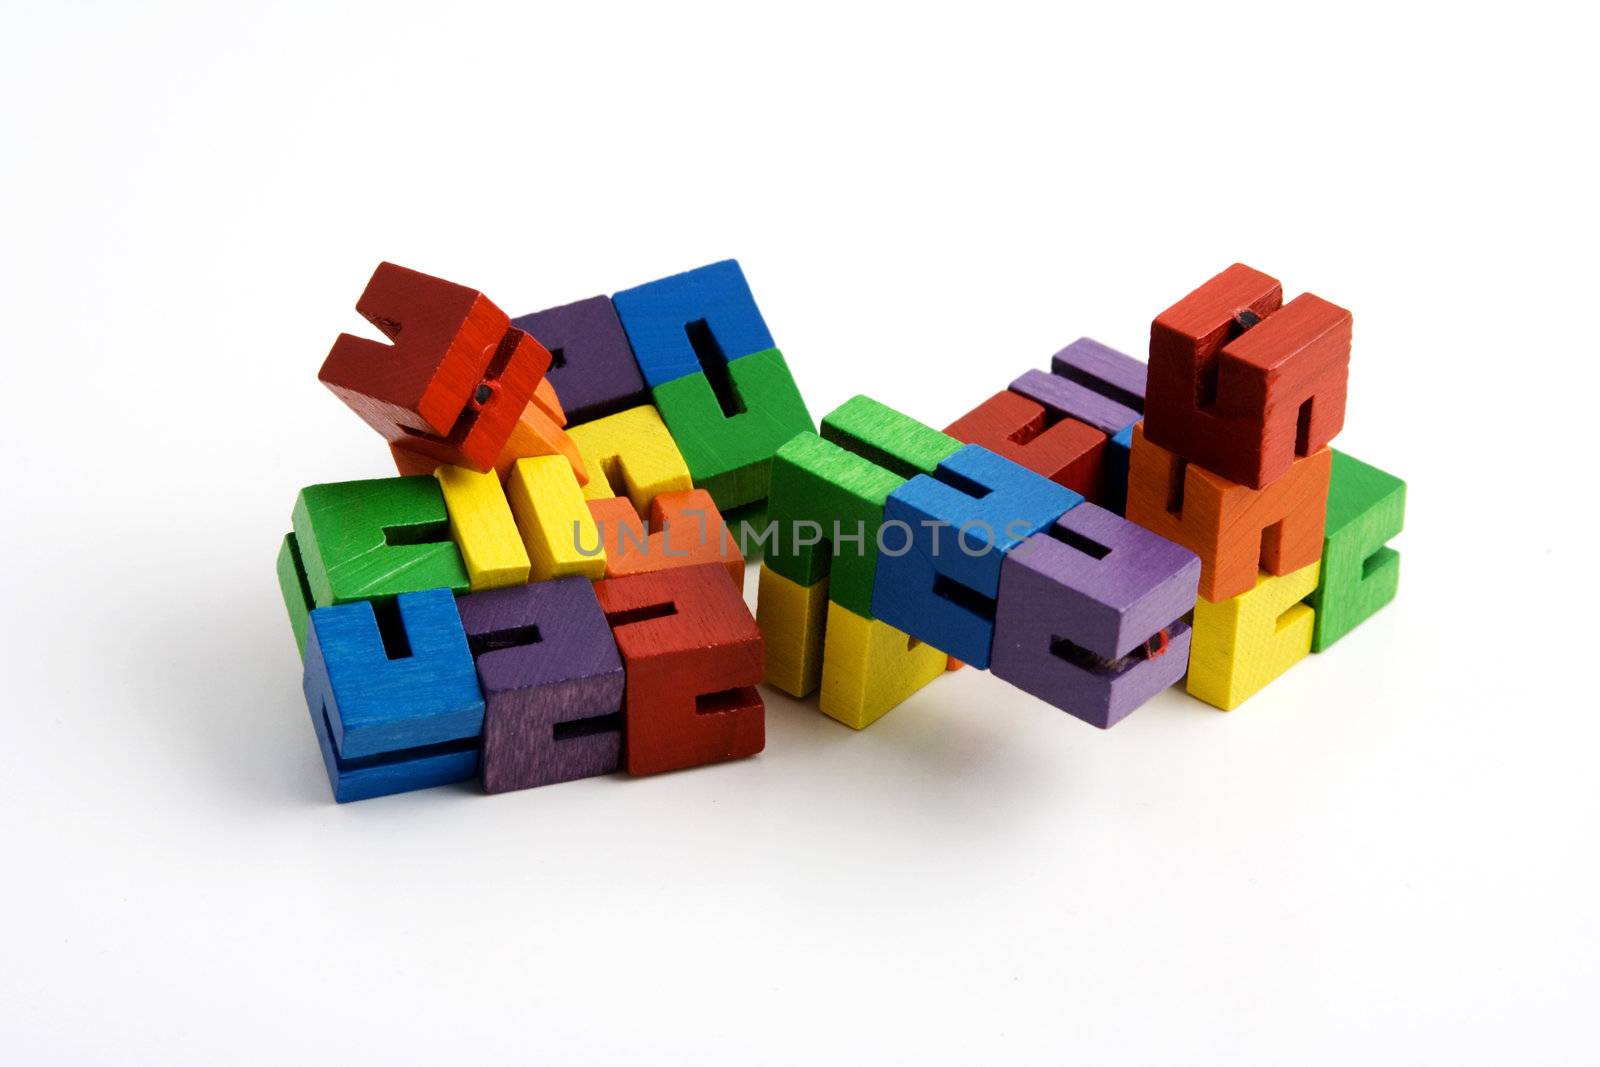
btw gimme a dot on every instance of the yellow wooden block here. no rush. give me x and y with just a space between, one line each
869 667
631 451
1242 643
792 617
482 528
554 519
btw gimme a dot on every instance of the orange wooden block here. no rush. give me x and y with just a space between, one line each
455 376
686 531
692 655
1242 383
550 403
535 434
1231 527
1066 451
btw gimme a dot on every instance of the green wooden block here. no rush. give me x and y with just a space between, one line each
728 440
1360 574
296 592
375 539
840 484
893 441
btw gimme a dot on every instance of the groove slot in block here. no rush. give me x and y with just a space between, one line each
1360 573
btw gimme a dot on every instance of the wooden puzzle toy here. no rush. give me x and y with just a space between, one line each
552 683
692 657
551 587
592 368
1089 615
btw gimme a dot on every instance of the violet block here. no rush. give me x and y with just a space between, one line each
591 363
1089 615
552 683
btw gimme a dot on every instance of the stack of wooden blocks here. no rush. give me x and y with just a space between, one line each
552 587
1095 532
549 590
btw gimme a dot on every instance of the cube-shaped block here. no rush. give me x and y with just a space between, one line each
680 324
1360 574
456 373
1242 383
1232 528
869 668
1242 643
1066 451
691 653
939 568
375 539
552 683
393 694
631 454
729 425
792 618
827 493
1089 616
591 362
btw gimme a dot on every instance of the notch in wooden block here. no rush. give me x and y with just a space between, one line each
1066 451
591 362
692 657
677 325
455 376
1243 643
375 539
392 693
631 454
939 579
552 683
1235 530
1360 573
729 423
1242 383
1090 615
297 598
685 531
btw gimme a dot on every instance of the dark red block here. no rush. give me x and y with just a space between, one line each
691 654
456 375
1242 383
1066 451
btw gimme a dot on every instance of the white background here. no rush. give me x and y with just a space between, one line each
1388 856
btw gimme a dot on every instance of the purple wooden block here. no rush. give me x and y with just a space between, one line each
1081 609
1067 397
591 362
552 683
1104 370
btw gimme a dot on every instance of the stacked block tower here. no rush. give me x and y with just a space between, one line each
551 588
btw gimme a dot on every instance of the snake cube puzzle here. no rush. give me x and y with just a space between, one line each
550 588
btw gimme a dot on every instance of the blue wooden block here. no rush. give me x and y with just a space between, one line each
699 320
943 540
1118 451
393 694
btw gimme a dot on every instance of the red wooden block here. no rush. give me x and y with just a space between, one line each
1066 451
1242 383
692 656
686 530
1231 527
534 435
457 374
